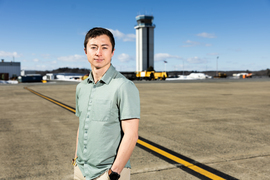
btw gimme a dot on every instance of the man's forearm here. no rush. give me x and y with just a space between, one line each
125 150
127 145
77 143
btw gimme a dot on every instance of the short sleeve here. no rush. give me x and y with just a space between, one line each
129 101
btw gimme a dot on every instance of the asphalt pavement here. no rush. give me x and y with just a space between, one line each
222 124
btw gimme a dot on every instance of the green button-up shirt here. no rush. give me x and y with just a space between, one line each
100 108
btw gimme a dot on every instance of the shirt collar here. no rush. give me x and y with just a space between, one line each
106 78
90 78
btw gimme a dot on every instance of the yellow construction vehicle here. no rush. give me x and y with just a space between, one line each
84 77
151 75
221 75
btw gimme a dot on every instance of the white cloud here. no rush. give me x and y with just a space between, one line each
121 36
190 43
213 54
206 35
235 49
41 66
165 56
130 37
124 57
125 67
196 60
46 56
9 54
34 67
35 60
73 58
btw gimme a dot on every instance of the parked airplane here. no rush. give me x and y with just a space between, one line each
192 76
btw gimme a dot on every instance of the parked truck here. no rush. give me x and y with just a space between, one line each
151 75
221 75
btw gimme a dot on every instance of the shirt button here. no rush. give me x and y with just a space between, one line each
90 101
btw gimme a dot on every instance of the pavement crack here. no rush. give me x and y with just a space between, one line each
148 170
251 157
238 159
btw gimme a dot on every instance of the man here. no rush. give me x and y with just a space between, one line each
108 107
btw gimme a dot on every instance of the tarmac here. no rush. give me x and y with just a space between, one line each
223 124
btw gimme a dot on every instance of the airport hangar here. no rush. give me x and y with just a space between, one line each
9 69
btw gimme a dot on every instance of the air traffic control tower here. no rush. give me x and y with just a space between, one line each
144 42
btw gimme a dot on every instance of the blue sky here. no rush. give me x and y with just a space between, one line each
189 34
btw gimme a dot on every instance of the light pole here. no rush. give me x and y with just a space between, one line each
217 67
165 62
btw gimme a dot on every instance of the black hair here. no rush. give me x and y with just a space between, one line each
98 31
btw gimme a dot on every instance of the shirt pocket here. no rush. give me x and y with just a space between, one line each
101 110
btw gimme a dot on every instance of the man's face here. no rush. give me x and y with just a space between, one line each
99 52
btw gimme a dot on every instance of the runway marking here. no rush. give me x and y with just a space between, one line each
189 165
180 161
52 100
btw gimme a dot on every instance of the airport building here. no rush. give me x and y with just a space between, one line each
27 72
9 70
144 42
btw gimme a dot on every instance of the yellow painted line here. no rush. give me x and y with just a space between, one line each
73 110
180 161
153 148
